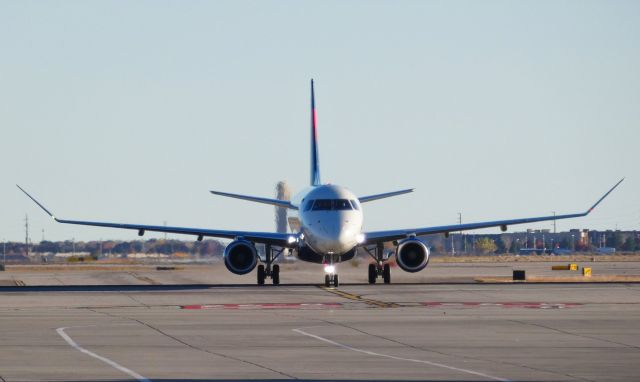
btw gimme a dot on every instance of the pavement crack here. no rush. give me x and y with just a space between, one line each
135 300
193 346
447 354
145 279
575 334
209 351
355 297
58 280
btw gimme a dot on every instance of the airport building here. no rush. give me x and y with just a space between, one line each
537 241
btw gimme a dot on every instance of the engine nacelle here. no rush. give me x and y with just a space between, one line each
412 255
240 257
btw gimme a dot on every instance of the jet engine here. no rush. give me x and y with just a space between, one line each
412 255
240 257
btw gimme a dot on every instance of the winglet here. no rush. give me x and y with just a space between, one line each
37 202
604 196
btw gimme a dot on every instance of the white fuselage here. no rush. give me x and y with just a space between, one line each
330 219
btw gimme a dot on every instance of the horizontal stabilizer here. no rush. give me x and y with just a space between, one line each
370 198
274 202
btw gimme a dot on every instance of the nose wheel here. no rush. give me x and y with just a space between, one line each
331 280
379 269
270 270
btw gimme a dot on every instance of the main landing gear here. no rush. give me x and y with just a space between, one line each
272 271
379 269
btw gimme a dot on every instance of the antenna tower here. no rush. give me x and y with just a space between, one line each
26 234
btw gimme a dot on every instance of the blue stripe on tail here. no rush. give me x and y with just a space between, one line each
315 161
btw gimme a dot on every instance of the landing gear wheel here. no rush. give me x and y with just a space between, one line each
372 274
335 281
275 275
327 281
261 274
386 274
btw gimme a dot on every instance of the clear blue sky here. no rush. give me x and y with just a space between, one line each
132 111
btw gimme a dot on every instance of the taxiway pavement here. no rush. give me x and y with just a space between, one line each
468 332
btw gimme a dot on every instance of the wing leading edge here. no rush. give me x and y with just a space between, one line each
382 236
279 239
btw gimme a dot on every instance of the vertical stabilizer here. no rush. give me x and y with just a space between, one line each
315 161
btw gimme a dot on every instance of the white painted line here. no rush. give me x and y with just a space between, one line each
347 347
106 360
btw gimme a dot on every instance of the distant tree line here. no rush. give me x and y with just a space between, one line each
467 243
205 248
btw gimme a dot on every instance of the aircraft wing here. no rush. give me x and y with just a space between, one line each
279 239
384 236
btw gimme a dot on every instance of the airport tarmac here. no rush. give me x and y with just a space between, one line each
291 273
434 332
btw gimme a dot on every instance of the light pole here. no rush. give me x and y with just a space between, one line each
4 252
453 249
573 242
464 240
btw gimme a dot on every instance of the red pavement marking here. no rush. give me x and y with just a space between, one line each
265 306
428 304
528 305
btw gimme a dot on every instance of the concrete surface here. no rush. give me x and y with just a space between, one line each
295 273
469 332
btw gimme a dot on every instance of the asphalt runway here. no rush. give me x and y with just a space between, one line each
434 332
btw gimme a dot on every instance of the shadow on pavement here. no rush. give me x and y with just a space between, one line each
179 287
283 380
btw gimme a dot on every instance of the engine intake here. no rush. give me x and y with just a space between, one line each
412 255
240 257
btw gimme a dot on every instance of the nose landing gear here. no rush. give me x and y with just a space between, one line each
331 280
272 271
379 269
331 277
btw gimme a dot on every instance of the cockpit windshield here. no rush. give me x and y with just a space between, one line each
330 204
322 205
341 204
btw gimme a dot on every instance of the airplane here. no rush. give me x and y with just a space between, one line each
330 230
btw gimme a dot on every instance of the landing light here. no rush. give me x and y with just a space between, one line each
360 238
329 269
291 239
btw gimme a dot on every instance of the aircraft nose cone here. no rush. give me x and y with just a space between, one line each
333 234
